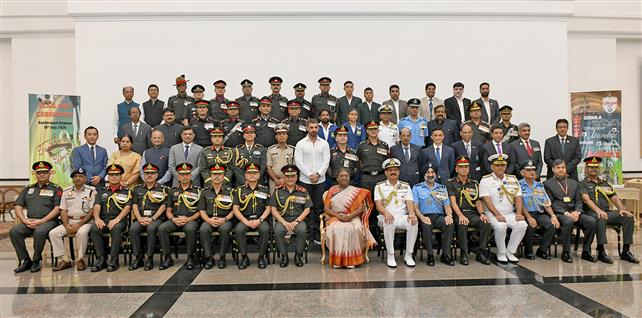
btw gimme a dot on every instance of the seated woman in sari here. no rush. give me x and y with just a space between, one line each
346 218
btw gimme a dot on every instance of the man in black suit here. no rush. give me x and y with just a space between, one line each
496 146
566 202
525 149
562 146
471 149
457 105
449 126
368 110
490 107
347 102
408 155
152 110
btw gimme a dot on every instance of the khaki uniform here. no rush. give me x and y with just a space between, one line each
276 159
77 203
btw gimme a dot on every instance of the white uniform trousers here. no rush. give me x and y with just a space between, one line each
82 238
518 230
400 222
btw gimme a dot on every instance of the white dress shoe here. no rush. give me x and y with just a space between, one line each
391 261
511 257
408 260
502 258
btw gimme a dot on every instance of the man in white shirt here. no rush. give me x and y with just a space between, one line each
312 157
394 202
457 105
426 110
388 131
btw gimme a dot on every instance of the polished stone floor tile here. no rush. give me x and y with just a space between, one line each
625 297
71 305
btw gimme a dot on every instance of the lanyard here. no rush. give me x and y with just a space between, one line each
564 187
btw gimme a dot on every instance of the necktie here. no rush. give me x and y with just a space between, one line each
468 150
407 153
135 130
499 148
430 108
93 152
186 151
438 155
528 148
563 145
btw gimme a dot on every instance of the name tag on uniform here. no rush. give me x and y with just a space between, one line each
209 126
157 195
346 163
382 152
186 102
298 199
283 104
352 157
306 106
31 191
484 129
302 128
260 195
478 168
121 197
238 128
46 193
536 149
147 213
567 200
254 104
223 106
332 103
271 125
224 198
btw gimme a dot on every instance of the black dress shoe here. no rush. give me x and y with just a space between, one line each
167 263
602 257
36 266
101 264
261 262
447 260
136 263
190 263
149 264
543 254
221 262
628 256
566 257
463 259
588 257
298 260
25 264
529 254
430 261
112 265
482 258
284 260
209 262
244 263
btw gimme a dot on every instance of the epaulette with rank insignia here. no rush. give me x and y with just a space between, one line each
300 189
488 175
381 182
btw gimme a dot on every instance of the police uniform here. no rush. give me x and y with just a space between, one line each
465 196
249 104
190 109
418 127
323 101
503 193
600 192
297 129
216 205
265 127
430 202
307 110
279 102
511 133
291 205
202 127
148 201
218 105
371 158
223 156
394 199
78 204
244 155
535 200
232 128
112 202
39 200
179 102
182 202
388 133
481 132
343 159
252 203
278 157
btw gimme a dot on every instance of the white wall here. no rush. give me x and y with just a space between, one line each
629 80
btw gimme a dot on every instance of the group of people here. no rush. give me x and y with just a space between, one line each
274 164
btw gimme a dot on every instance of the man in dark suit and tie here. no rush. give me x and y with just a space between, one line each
441 157
408 155
368 110
562 146
525 149
91 158
457 105
399 106
496 146
490 107
471 149
347 102
449 126
139 130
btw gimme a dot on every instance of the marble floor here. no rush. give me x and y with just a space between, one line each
530 289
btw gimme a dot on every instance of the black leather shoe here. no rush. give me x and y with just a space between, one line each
36 266
566 257
628 256
588 257
542 254
167 263
23 266
463 259
529 254
298 260
284 260
482 258
430 261
112 265
209 262
136 263
447 260
190 263
602 257
221 262
261 262
149 264
244 263
101 264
